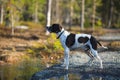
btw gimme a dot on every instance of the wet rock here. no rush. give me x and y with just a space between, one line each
111 70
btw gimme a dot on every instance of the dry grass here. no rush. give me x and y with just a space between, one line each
115 44
97 31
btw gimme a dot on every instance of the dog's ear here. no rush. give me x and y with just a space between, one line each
55 28
58 26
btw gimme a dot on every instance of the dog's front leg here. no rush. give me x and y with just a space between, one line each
66 57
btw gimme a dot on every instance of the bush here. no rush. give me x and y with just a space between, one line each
53 42
49 51
50 46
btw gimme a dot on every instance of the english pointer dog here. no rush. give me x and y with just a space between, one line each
72 41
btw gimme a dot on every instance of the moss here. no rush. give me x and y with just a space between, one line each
30 51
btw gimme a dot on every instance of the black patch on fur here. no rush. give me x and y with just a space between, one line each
70 40
83 39
93 42
87 47
55 28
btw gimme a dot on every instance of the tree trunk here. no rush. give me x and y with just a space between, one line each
71 14
49 2
94 12
57 11
111 14
36 11
82 15
12 21
2 11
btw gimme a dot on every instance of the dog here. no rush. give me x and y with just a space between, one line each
72 41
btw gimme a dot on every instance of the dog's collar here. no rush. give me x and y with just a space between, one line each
60 34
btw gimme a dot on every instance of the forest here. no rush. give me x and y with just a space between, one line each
91 13
27 48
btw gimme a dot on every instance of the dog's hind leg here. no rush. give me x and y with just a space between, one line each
93 48
88 52
98 57
90 62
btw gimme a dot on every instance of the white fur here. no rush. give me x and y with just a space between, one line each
63 38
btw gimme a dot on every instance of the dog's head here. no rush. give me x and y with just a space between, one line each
55 28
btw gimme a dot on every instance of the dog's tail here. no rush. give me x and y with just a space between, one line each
102 45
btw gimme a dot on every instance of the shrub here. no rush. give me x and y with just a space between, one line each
49 51
53 42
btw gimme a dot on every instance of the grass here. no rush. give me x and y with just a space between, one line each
97 30
115 44
31 25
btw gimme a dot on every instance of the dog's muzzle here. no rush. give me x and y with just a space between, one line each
48 28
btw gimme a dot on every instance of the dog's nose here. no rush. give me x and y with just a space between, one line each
47 27
48 31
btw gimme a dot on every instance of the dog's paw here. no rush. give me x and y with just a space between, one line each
66 67
101 67
63 65
88 64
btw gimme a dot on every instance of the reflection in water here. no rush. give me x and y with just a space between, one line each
1 75
77 76
66 77
24 71
20 71
91 77
81 77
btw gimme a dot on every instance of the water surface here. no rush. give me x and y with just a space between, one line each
20 71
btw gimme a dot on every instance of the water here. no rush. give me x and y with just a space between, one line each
20 71
24 70
84 77
78 73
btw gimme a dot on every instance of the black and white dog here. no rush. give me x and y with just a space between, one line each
72 41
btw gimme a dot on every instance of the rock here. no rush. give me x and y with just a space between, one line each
57 71
78 58
22 27
111 63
